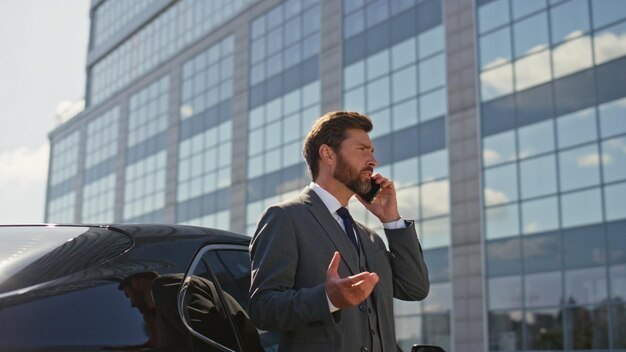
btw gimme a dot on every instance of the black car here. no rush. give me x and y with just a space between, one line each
126 287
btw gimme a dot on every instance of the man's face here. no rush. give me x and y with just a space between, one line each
355 161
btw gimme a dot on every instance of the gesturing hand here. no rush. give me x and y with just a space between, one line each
349 291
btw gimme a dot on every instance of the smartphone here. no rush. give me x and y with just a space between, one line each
371 195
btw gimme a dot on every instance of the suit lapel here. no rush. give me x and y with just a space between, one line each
332 230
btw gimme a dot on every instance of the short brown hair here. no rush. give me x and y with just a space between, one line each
330 129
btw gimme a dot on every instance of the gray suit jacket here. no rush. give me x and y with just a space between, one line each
290 252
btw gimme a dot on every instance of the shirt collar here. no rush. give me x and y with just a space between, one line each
329 200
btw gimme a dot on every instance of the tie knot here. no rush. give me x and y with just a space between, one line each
343 213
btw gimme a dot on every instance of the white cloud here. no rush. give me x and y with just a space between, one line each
495 197
490 156
23 184
592 159
609 45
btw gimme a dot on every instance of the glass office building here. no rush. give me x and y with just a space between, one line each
502 123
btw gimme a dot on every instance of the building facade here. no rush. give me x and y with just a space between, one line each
502 123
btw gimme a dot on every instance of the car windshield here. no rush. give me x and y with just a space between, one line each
30 255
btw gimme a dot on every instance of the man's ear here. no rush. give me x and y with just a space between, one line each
327 154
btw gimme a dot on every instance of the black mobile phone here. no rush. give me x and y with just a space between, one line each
373 192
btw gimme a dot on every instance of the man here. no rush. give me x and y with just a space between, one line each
321 279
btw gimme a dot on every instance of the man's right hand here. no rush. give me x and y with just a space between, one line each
349 291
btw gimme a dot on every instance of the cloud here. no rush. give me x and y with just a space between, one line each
495 197
609 46
490 156
569 57
592 159
23 184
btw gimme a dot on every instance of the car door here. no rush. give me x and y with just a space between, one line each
213 302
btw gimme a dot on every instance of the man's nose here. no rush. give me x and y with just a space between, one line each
373 162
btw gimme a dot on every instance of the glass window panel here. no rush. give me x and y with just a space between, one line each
432 73
378 94
613 118
431 41
403 53
436 233
544 328
587 327
543 289
531 35
614 159
569 20
382 121
408 330
523 8
434 165
495 48
618 282
377 11
505 292
584 246
538 176
435 198
535 139
439 298
579 167
378 65
607 11
404 84
354 75
572 56
496 82
404 114
492 15
532 70
586 286
615 201
505 331
502 221
576 128
540 215
354 100
542 252
408 202
581 208
610 43
504 257
499 148
405 173
500 185
433 104
354 24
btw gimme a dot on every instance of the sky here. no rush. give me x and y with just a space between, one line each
43 50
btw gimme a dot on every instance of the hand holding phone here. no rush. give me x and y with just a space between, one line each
373 192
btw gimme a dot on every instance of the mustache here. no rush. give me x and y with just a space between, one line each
368 168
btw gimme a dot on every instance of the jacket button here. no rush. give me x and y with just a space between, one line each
363 307
364 349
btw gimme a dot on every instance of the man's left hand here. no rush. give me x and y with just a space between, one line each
385 205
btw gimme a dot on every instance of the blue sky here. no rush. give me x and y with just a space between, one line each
43 49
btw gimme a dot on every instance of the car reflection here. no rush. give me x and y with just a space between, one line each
207 311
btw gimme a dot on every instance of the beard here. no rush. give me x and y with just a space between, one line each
351 178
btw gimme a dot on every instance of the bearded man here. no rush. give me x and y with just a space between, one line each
323 280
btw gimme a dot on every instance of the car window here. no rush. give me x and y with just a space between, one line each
31 255
226 286
98 317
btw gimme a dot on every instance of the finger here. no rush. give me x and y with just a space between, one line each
367 283
334 264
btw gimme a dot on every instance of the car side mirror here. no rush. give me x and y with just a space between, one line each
426 348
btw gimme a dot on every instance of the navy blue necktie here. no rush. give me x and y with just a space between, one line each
348 223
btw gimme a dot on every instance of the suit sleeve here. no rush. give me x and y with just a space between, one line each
410 274
274 303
